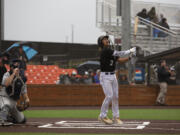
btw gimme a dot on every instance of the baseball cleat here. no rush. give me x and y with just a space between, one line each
117 121
105 120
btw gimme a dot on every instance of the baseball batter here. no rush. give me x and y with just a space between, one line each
13 87
108 80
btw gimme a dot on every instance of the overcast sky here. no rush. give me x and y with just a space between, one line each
51 20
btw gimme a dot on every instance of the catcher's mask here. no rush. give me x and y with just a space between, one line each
100 39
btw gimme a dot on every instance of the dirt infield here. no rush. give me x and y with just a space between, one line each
54 125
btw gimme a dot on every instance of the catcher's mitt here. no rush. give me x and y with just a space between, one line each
22 106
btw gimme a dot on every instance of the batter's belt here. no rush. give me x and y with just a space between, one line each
108 73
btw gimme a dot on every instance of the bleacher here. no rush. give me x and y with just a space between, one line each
141 31
45 74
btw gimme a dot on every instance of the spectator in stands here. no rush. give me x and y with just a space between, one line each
155 31
163 76
86 78
164 24
161 17
22 57
152 14
91 75
177 69
123 79
143 14
58 81
64 79
2 68
172 78
74 79
96 77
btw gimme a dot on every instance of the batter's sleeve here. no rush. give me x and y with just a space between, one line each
121 53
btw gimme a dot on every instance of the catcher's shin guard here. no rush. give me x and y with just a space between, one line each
4 112
24 121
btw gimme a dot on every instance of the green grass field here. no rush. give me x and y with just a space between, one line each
136 114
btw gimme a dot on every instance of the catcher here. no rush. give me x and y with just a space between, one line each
13 89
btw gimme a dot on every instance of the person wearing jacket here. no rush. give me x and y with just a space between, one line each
163 76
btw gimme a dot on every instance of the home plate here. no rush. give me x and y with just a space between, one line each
95 125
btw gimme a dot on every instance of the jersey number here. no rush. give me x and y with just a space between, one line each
111 62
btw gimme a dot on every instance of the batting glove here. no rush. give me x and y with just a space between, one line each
133 50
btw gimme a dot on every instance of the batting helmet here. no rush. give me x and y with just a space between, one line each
100 39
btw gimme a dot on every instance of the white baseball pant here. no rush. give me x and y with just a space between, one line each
110 87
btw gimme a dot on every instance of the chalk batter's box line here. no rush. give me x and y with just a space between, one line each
52 127
74 124
100 124
97 122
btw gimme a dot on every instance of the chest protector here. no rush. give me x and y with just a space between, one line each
14 90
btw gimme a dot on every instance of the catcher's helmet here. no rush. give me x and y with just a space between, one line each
99 41
12 63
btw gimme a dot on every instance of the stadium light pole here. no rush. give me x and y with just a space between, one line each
1 23
72 33
126 30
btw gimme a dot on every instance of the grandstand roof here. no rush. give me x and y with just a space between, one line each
171 56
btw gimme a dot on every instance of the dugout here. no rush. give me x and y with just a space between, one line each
171 56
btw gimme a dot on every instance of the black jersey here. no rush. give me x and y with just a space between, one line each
107 60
